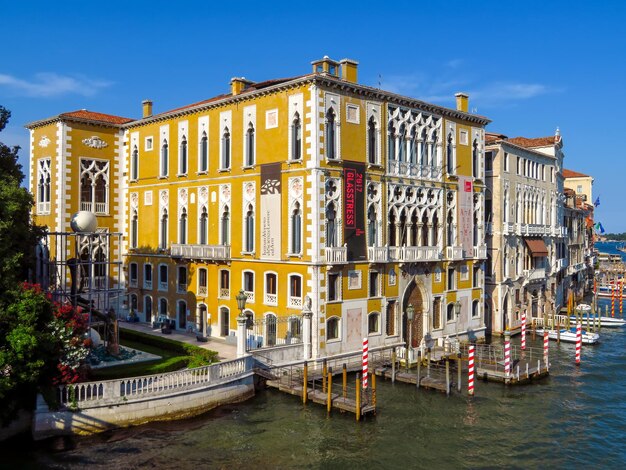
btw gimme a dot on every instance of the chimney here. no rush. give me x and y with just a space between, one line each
238 84
326 65
147 108
349 70
462 102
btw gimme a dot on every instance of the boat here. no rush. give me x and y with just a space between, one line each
584 311
569 335
606 290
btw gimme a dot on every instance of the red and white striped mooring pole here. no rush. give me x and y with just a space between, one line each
470 371
545 346
365 360
507 356
579 341
523 330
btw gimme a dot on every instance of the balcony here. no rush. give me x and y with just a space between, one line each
147 284
181 288
132 282
294 302
202 291
378 254
271 299
249 296
508 228
480 252
224 293
337 254
454 253
561 263
559 231
96 207
533 275
205 252
43 207
411 254
536 230
573 269
396 168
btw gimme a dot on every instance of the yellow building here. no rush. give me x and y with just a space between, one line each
363 200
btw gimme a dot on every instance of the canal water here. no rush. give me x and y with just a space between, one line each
575 418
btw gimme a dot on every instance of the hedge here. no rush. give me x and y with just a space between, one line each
199 354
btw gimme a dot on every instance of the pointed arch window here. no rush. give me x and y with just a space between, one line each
331 137
134 230
450 155
163 231
134 164
94 186
372 142
43 187
204 152
296 137
402 143
296 229
331 225
182 227
372 228
225 232
249 230
182 157
164 159
204 227
451 231
225 149
392 142
475 160
250 145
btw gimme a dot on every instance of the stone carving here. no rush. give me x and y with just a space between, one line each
95 142
44 141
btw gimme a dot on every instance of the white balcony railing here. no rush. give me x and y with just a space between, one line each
419 253
508 228
574 268
147 284
378 254
249 296
163 285
480 251
181 288
97 207
210 252
536 274
454 252
337 254
294 302
43 207
414 170
202 291
271 299
132 282
534 229
224 293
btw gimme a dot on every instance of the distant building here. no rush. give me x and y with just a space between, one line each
580 183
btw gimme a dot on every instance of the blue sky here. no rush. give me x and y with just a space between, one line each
529 66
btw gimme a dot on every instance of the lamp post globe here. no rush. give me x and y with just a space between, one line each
241 301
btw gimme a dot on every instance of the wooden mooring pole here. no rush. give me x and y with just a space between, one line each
329 401
345 381
419 373
324 372
305 382
459 373
358 397
373 390
447 376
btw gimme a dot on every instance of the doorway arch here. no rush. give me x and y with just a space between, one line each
415 295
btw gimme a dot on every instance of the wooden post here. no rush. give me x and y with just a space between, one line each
534 330
324 372
558 334
459 373
447 376
419 373
374 390
329 402
358 397
305 382
345 381
428 364
393 365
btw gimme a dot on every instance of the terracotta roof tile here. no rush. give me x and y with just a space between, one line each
97 117
491 137
536 142
572 174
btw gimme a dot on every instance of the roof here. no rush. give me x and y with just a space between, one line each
85 115
534 143
492 137
536 246
573 174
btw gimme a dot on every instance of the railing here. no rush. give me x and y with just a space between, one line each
249 296
491 356
202 291
43 207
272 331
100 282
573 269
181 288
210 252
147 284
378 254
162 285
294 302
123 390
508 228
559 231
132 283
489 228
536 274
480 251
101 208
414 170
454 252
224 293
97 207
271 299
337 254
535 229
419 253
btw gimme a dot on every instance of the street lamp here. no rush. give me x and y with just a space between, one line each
457 311
410 312
241 302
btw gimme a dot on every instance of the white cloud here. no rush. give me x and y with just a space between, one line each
502 91
46 85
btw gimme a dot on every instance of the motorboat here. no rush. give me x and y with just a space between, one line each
584 313
569 335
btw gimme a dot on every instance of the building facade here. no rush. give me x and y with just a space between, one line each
363 201
527 235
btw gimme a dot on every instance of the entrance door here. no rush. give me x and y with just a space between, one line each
414 298
148 308
182 315
224 320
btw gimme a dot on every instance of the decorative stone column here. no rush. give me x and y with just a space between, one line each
241 335
307 315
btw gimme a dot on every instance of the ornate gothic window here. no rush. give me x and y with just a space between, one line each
94 186
182 227
164 159
204 227
249 230
296 229
182 157
225 229
134 164
163 231
249 146
204 152
43 186
134 230
372 142
296 137
331 225
225 149
331 137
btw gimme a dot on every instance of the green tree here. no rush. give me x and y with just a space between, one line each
18 235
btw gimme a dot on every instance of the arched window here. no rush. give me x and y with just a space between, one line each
372 228
134 230
164 158
250 145
147 308
475 309
373 323
331 225
181 280
182 314
226 149
295 291
332 328
402 144
451 231
450 155
475 160
225 232
391 235
296 229
182 227
182 157
435 230
391 142
296 137
204 227
331 129
202 318
450 312
163 231
249 230
204 152
372 142
271 286
424 234
163 307
134 164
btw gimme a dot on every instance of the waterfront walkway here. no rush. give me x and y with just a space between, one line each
224 350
